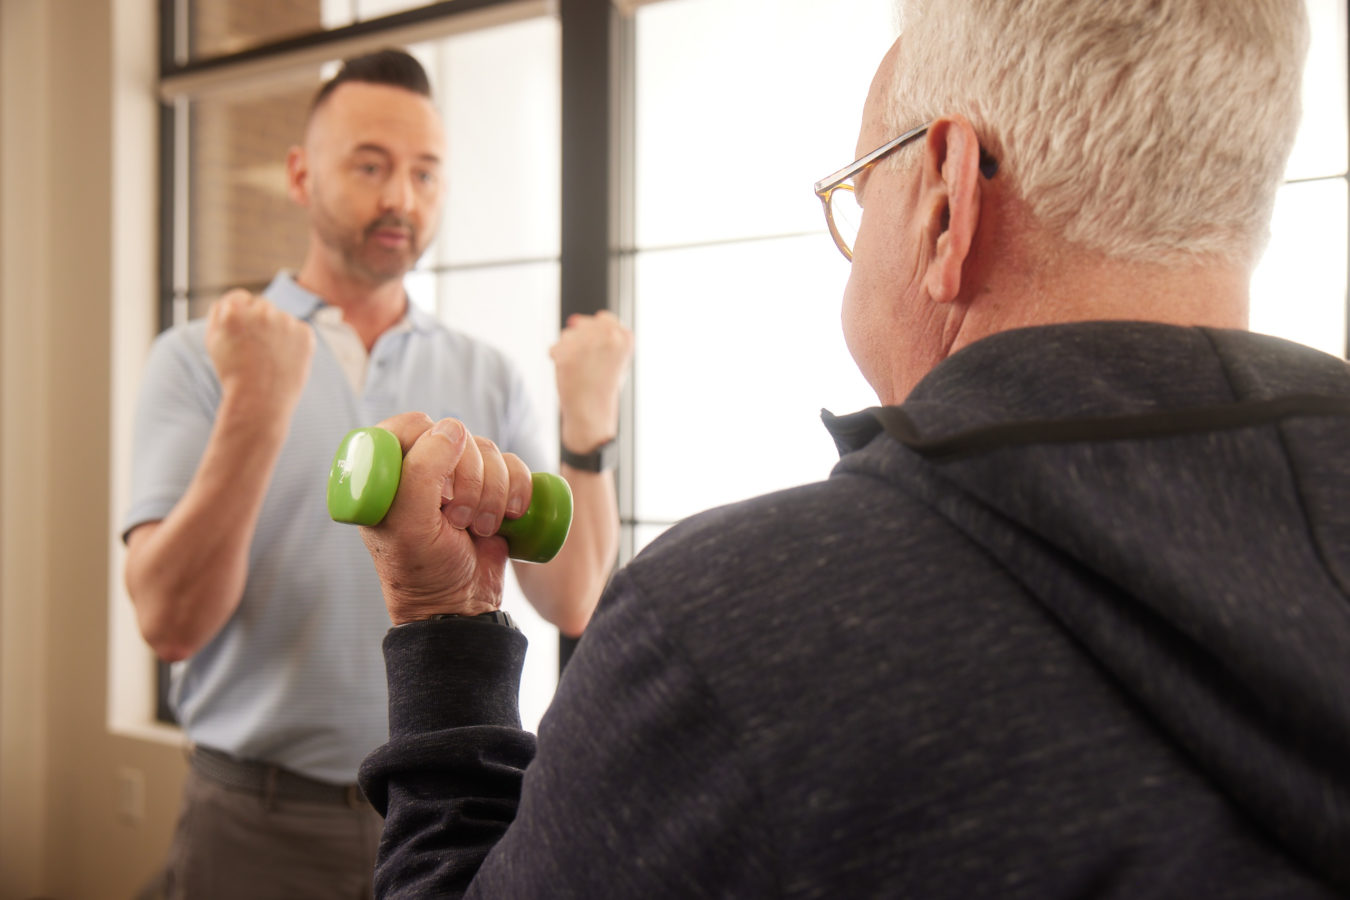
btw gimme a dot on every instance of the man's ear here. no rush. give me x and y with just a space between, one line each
297 175
952 170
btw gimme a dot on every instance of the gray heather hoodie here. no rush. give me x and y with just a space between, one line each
1072 622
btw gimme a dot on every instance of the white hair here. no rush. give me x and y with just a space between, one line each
1145 129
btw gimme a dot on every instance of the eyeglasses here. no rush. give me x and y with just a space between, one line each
842 211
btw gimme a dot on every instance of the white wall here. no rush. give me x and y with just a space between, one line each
77 256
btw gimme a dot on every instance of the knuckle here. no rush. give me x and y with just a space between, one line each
468 482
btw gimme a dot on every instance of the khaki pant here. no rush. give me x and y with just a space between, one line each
233 845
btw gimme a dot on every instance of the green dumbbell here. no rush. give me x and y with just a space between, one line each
364 480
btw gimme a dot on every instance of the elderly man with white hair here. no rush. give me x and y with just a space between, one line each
1070 618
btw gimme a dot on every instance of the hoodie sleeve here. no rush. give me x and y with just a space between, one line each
448 780
636 776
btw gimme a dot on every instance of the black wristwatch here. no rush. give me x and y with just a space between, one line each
601 459
496 617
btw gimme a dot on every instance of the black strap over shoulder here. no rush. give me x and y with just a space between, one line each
1170 423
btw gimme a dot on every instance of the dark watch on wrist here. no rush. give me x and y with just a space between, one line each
601 459
496 617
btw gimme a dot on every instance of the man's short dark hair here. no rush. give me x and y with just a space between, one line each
392 67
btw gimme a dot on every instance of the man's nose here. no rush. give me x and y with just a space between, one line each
398 192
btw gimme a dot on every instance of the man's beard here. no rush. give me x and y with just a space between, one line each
360 253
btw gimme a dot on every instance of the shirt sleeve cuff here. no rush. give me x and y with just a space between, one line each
452 674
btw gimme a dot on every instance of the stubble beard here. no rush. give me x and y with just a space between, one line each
360 255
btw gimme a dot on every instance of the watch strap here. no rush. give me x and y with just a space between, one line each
601 459
496 617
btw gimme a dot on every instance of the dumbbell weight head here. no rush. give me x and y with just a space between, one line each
365 476
541 530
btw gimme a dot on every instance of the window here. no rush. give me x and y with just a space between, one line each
1299 289
739 104
735 293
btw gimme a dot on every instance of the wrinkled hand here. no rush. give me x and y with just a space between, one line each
261 354
591 358
436 551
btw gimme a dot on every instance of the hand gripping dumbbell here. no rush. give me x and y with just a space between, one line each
364 479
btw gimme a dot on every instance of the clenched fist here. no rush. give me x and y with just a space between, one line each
436 551
591 358
261 354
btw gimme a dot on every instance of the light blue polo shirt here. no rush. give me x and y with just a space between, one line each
296 677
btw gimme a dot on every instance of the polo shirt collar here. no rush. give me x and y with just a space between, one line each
303 304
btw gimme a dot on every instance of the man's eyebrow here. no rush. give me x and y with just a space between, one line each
370 148
384 151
